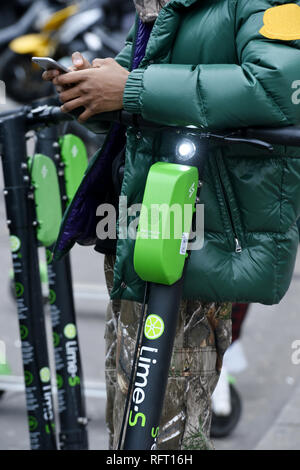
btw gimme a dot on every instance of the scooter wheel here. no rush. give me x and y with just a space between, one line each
222 426
1 393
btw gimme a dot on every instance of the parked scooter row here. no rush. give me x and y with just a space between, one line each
52 172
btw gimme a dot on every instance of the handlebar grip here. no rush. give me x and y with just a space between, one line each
289 136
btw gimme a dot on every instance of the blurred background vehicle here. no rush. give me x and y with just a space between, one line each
56 29
13 12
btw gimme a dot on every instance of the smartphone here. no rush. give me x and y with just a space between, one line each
49 64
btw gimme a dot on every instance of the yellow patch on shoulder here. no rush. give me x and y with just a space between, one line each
282 22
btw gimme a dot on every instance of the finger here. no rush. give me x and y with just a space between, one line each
98 62
50 74
70 105
85 116
60 89
80 62
69 78
69 94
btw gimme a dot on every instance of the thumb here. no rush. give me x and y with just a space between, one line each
80 62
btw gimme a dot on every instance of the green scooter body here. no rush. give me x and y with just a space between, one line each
165 222
46 186
74 157
47 198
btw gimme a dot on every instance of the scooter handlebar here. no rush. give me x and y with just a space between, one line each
260 137
289 136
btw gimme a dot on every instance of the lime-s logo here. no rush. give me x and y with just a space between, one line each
154 327
135 420
19 288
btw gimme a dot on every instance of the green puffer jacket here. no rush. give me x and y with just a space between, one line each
208 65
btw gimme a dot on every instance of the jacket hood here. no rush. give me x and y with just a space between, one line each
148 10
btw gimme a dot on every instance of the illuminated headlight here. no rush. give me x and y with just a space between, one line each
185 149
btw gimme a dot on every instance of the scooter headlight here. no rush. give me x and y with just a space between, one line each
185 149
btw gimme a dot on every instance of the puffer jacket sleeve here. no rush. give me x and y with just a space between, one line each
257 90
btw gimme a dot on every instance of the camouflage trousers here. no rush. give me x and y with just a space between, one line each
202 337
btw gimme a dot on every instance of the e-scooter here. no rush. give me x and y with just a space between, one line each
50 175
182 181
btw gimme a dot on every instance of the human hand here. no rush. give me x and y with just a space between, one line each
79 63
98 89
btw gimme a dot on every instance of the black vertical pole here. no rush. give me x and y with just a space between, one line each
153 365
71 401
20 212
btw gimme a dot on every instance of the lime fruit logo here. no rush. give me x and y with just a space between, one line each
15 243
70 331
23 331
45 374
28 378
154 327
19 289
33 423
